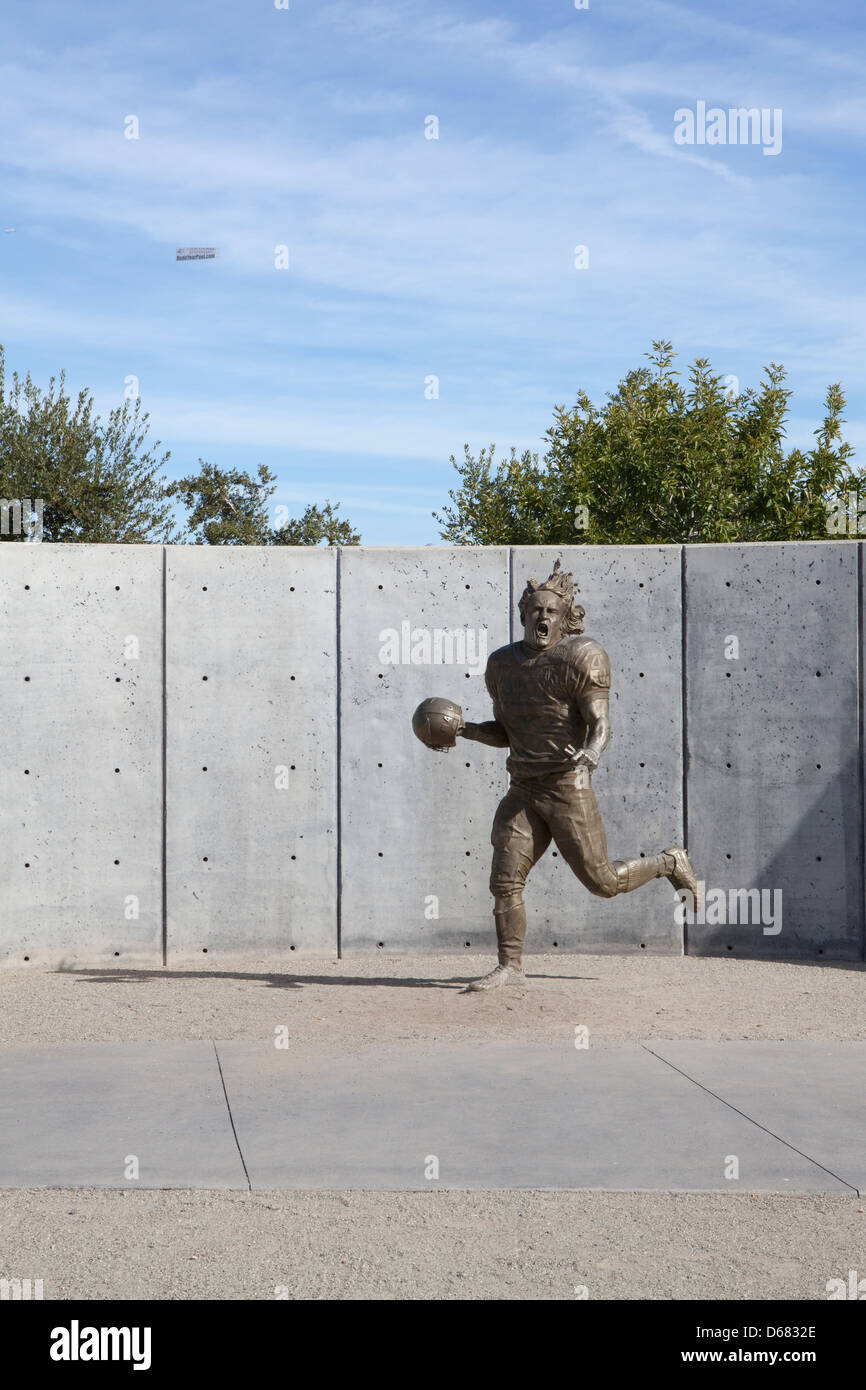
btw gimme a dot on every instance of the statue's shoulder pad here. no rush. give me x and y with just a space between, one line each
506 653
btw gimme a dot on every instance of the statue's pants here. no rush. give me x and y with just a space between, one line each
530 815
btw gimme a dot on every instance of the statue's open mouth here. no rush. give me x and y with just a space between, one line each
541 630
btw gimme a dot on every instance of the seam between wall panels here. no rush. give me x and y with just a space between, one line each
511 593
684 719
339 760
164 808
860 750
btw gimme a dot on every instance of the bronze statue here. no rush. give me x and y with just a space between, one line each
551 696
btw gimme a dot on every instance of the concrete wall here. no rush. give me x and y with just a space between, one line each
268 692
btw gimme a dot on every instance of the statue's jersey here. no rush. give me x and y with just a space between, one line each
534 698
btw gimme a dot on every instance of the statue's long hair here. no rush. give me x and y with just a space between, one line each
560 583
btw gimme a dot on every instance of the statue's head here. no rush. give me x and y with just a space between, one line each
548 611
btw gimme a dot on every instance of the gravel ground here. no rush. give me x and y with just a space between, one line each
429 1245
96 1244
376 999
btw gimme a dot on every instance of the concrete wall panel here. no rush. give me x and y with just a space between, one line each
81 774
416 824
774 775
632 599
251 696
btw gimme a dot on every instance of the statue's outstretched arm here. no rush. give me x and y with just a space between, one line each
491 732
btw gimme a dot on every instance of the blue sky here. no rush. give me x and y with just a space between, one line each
411 257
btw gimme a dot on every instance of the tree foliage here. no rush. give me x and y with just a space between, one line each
660 462
98 481
316 525
103 481
226 506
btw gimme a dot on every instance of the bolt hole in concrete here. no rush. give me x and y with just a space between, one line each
380 943
26 957
291 948
204 678
727 856
817 673
643 945
818 857
27 678
117 953
381 855
117 769
27 772
381 586
26 586
204 860
204 950
204 588
117 586
27 866
204 769
117 861
291 678
294 856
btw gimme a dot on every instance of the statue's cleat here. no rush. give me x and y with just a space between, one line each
501 975
683 876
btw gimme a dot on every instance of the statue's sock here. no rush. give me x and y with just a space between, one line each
510 933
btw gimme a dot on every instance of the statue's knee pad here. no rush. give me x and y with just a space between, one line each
605 880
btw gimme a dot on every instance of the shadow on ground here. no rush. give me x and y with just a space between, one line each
101 977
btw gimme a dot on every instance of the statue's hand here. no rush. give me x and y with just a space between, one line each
583 757
446 747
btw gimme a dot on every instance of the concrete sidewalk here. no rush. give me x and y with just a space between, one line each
787 1117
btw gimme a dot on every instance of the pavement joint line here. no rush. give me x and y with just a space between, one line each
752 1121
231 1116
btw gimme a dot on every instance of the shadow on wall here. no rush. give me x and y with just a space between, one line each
802 903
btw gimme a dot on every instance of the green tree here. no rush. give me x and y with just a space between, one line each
229 507
660 462
316 525
226 506
97 480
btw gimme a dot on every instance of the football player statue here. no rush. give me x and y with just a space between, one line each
551 695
